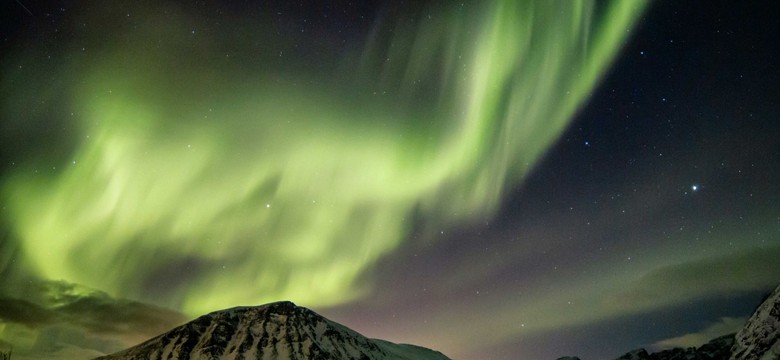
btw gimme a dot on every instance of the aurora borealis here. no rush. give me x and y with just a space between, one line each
426 173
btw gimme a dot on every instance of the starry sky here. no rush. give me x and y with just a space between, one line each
493 180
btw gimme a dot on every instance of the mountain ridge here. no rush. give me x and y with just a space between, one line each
279 330
758 339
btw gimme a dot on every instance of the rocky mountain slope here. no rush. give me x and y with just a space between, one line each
717 349
759 339
279 330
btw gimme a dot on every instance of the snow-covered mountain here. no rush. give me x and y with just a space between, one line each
279 330
717 349
760 338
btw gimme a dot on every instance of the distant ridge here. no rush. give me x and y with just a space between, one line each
759 339
278 330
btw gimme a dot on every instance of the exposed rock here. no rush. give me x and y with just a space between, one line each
760 338
638 354
274 331
716 349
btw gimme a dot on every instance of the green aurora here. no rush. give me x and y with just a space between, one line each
196 181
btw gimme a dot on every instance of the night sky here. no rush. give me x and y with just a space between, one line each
493 180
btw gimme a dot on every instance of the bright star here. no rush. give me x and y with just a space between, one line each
695 187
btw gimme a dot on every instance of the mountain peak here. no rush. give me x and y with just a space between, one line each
282 306
286 308
279 330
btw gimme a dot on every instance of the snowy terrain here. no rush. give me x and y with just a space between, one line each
279 330
283 330
759 339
